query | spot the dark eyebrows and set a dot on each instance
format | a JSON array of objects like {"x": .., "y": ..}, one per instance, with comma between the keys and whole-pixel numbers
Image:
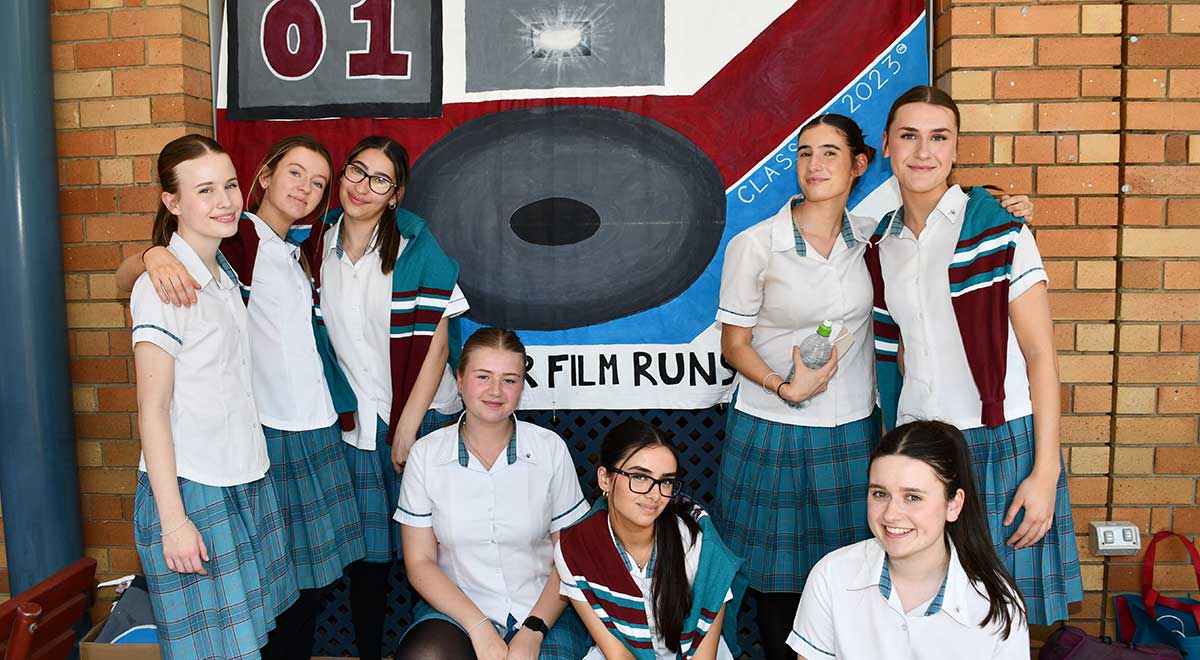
[
  {"x": 363, "y": 166},
  {"x": 903, "y": 490},
  {"x": 916, "y": 130},
  {"x": 641, "y": 470},
  {"x": 823, "y": 146}
]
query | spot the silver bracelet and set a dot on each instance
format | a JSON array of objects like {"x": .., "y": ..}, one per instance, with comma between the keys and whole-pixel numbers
[
  {"x": 176, "y": 528},
  {"x": 476, "y": 625},
  {"x": 766, "y": 378}
]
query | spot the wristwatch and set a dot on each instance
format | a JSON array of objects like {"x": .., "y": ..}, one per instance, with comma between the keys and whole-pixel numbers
[{"x": 535, "y": 624}]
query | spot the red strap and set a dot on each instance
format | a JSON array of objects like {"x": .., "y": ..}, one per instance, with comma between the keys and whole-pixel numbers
[
  {"x": 1125, "y": 623},
  {"x": 1150, "y": 595}
]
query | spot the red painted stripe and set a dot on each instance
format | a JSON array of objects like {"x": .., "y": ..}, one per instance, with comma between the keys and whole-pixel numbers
[{"x": 786, "y": 74}]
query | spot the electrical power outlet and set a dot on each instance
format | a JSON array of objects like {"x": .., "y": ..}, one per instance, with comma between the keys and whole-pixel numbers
[{"x": 1114, "y": 538}]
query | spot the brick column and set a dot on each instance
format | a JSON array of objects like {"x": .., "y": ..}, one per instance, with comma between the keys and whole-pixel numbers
[
  {"x": 1037, "y": 86},
  {"x": 128, "y": 79}
]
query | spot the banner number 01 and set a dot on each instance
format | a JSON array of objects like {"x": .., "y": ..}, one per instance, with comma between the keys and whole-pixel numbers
[{"x": 294, "y": 36}]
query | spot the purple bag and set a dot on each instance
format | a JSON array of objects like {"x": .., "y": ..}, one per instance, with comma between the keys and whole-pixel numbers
[{"x": 1069, "y": 642}]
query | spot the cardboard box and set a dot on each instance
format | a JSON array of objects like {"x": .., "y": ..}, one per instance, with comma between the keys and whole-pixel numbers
[{"x": 90, "y": 650}]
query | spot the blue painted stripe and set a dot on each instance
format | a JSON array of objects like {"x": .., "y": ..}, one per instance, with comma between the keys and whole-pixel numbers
[{"x": 150, "y": 326}]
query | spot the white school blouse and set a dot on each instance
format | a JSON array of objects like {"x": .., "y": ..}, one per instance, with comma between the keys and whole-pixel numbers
[
  {"x": 289, "y": 377},
  {"x": 783, "y": 288},
  {"x": 937, "y": 378},
  {"x": 644, "y": 578},
  {"x": 214, "y": 424},
  {"x": 356, "y": 302},
  {"x": 493, "y": 526},
  {"x": 850, "y": 610}
]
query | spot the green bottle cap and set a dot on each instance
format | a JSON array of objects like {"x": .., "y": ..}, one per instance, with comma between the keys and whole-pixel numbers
[{"x": 825, "y": 329}]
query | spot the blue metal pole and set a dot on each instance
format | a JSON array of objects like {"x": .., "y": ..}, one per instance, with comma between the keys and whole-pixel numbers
[{"x": 39, "y": 484}]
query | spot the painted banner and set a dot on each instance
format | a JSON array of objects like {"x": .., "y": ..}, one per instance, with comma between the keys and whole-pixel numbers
[{"x": 585, "y": 162}]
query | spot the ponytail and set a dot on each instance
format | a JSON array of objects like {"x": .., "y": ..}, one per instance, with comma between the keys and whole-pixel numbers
[{"x": 176, "y": 152}]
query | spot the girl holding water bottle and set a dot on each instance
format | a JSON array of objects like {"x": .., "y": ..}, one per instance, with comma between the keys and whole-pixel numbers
[{"x": 793, "y": 479}]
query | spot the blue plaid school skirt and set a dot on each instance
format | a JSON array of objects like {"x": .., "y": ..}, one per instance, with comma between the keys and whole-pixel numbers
[
  {"x": 250, "y": 581},
  {"x": 377, "y": 488},
  {"x": 788, "y": 495},
  {"x": 568, "y": 638},
  {"x": 1047, "y": 573},
  {"x": 313, "y": 487}
]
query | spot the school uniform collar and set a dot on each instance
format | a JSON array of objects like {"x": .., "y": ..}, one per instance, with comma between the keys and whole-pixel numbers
[
  {"x": 457, "y": 451},
  {"x": 334, "y": 243},
  {"x": 267, "y": 234},
  {"x": 951, "y": 206},
  {"x": 954, "y": 598},
  {"x": 630, "y": 565},
  {"x": 785, "y": 235},
  {"x": 196, "y": 268}
]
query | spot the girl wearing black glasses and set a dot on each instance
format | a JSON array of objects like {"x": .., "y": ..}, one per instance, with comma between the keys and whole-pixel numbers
[
  {"x": 646, "y": 570},
  {"x": 387, "y": 298}
]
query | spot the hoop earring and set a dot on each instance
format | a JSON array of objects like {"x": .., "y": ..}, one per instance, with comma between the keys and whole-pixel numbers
[{"x": 392, "y": 206}]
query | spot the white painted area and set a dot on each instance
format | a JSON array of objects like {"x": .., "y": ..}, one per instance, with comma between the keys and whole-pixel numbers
[
  {"x": 628, "y": 394},
  {"x": 701, "y": 37}
]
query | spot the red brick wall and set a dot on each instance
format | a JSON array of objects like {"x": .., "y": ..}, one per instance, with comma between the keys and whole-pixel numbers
[
  {"x": 1071, "y": 101},
  {"x": 129, "y": 75}
]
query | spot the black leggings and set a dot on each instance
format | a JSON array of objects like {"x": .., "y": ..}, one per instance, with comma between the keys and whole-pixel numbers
[
  {"x": 776, "y": 613},
  {"x": 368, "y": 606},
  {"x": 435, "y": 639},
  {"x": 295, "y": 628}
]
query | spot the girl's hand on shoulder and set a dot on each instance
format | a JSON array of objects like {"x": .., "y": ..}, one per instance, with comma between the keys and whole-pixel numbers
[
  {"x": 1036, "y": 495},
  {"x": 525, "y": 645},
  {"x": 807, "y": 383},
  {"x": 173, "y": 282},
  {"x": 488, "y": 643},
  {"x": 184, "y": 550},
  {"x": 1018, "y": 205}
]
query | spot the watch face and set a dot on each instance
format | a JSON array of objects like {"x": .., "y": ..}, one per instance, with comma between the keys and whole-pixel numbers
[{"x": 535, "y": 623}]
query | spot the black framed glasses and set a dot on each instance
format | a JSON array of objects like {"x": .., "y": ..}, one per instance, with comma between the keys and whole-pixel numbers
[
  {"x": 379, "y": 184},
  {"x": 642, "y": 483}
]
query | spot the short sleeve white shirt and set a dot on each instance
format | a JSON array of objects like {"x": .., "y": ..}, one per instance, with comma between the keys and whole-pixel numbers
[
  {"x": 644, "y": 578},
  {"x": 493, "y": 526},
  {"x": 776, "y": 283},
  {"x": 850, "y": 610},
  {"x": 289, "y": 377},
  {"x": 356, "y": 303},
  {"x": 214, "y": 424},
  {"x": 937, "y": 378}
]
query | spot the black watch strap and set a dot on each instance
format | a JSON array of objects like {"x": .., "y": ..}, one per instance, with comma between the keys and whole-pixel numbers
[{"x": 535, "y": 624}]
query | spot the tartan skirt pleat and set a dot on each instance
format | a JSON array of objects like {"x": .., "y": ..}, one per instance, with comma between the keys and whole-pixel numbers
[
  {"x": 377, "y": 488},
  {"x": 1047, "y": 573},
  {"x": 313, "y": 487},
  {"x": 788, "y": 495},
  {"x": 250, "y": 581}
]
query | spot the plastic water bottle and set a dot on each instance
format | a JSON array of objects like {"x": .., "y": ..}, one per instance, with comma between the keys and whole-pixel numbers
[{"x": 815, "y": 351}]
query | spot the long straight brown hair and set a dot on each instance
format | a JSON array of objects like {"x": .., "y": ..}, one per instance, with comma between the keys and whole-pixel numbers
[
  {"x": 389, "y": 235},
  {"x": 944, "y": 449},
  {"x": 177, "y": 151}
]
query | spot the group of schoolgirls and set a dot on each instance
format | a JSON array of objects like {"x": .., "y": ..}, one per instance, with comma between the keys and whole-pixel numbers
[
  {"x": 947, "y": 297},
  {"x": 276, "y": 361}
]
